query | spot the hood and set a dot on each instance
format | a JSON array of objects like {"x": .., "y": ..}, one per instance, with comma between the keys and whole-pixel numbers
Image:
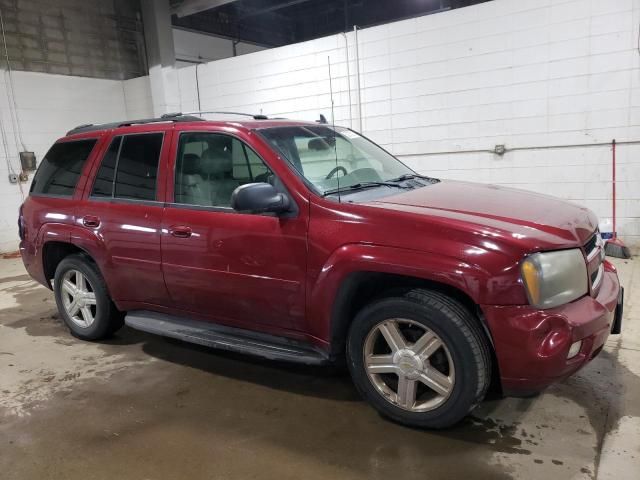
[{"x": 547, "y": 220}]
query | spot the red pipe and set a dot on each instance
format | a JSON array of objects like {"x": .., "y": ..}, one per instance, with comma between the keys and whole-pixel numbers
[{"x": 613, "y": 147}]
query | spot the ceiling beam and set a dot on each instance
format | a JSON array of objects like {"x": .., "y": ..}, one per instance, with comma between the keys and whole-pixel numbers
[
  {"x": 190, "y": 7},
  {"x": 272, "y": 8}
]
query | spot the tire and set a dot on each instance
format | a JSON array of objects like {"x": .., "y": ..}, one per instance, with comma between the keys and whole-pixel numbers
[
  {"x": 106, "y": 319},
  {"x": 458, "y": 372}
]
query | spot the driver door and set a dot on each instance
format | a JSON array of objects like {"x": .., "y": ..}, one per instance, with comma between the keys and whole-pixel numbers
[{"x": 238, "y": 269}]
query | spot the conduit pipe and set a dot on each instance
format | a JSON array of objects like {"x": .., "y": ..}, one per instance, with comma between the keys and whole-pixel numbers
[
  {"x": 13, "y": 105},
  {"x": 346, "y": 49},
  {"x": 516, "y": 149},
  {"x": 355, "y": 31}
]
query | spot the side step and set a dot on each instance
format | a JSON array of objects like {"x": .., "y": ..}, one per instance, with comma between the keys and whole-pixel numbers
[{"x": 226, "y": 338}]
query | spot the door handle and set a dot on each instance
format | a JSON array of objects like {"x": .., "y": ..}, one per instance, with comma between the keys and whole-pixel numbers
[
  {"x": 90, "y": 221},
  {"x": 180, "y": 231}
]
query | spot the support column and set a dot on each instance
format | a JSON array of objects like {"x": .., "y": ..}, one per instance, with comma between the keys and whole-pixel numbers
[{"x": 161, "y": 57}]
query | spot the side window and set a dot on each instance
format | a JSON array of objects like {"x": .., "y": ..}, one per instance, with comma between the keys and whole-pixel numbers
[
  {"x": 61, "y": 167},
  {"x": 103, "y": 184},
  {"x": 129, "y": 169},
  {"x": 138, "y": 166},
  {"x": 210, "y": 166}
]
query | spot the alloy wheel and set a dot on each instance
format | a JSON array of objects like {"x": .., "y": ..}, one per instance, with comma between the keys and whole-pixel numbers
[
  {"x": 78, "y": 298},
  {"x": 409, "y": 365}
]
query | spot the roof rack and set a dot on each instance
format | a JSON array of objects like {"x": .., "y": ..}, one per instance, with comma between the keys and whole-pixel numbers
[
  {"x": 167, "y": 117},
  {"x": 254, "y": 116}
]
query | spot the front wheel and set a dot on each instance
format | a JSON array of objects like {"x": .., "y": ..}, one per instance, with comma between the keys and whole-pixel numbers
[{"x": 421, "y": 359}]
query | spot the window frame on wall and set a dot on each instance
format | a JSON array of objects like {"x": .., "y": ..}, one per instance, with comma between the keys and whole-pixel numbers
[
  {"x": 84, "y": 163},
  {"x": 246, "y": 148},
  {"x": 158, "y": 176}
]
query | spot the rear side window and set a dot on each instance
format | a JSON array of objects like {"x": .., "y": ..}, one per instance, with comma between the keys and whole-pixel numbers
[
  {"x": 129, "y": 169},
  {"x": 61, "y": 167},
  {"x": 103, "y": 185}
]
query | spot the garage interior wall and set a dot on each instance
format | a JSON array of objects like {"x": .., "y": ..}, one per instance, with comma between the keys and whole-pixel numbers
[
  {"x": 48, "y": 106},
  {"x": 90, "y": 38},
  {"x": 519, "y": 73},
  {"x": 555, "y": 80},
  {"x": 192, "y": 47}
]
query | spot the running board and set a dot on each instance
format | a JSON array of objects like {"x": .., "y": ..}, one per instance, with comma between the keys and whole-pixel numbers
[{"x": 226, "y": 338}]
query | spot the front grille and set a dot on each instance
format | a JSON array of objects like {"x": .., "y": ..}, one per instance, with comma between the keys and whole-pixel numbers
[
  {"x": 594, "y": 251},
  {"x": 591, "y": 244},
  {"x": 597, "y": 278}
]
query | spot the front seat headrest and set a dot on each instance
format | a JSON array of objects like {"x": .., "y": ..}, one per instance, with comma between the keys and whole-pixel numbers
[
  {"x": 217, "y": 162},
  {"x": 191, "y": 164}
]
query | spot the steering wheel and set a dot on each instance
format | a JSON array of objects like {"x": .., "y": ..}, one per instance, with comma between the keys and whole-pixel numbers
[{"x": 336, "y": 170}]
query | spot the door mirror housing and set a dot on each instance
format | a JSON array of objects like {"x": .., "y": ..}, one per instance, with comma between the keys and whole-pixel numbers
[{"x": 259, "y": 198}]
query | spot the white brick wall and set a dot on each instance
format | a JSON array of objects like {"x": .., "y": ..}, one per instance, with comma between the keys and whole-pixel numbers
[
  {"x": 49, "y": 106},
  {"x": 137, "y": 98},
  {"x": 524, "y": 73}
]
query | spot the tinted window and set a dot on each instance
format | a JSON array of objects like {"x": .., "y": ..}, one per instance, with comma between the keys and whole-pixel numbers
[
  {"x": 137, "y": 167},
  {"x": 103, "y": 184},
  {"x": 61, "y": 167},
  {"x": 132, "y": 161},
  {"x": 211, "y": 166}
]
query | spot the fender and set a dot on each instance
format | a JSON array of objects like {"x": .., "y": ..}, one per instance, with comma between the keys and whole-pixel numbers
[
  {"x": 93, "y": 243},
  {"x": 32, "y": 250},
  {"x": 90, "y": 242},
  {"x": 476, "y": 282}
]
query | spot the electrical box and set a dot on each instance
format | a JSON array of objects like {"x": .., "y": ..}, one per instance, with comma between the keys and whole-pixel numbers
[
  {"x": 28, "y": 161},
  {"x": 23, "y": 177},
  {"x": 13, "y": 178},
  {"x": 500, "y": 149}
]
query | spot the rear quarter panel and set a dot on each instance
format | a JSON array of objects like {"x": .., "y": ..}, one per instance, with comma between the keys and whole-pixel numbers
[{"x": 49, "y": 218}]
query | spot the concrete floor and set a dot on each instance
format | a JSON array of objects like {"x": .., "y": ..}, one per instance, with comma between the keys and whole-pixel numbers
[{"x": 144, "y": 407}]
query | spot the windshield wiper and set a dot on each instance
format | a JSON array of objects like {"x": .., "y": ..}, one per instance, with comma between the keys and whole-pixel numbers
[
  {"x": 361, "y": 185},
  {"x": 409, "y": 176}
]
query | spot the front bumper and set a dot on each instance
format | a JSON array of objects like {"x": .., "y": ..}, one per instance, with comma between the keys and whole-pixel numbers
[{"x": 532, "y": 345}]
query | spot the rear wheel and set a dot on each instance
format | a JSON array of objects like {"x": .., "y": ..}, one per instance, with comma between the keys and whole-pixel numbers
[
  {"x": 420, "y": 359},
  {"x": 83, "y": 300}
]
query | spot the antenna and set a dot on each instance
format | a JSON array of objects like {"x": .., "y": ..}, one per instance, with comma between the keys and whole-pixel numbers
[{"x": 333, "y": 127}]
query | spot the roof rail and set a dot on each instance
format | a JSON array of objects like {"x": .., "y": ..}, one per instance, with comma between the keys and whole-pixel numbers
[
  {"x": 167, "y": 117},
  {"x": 254, "y": 116}
]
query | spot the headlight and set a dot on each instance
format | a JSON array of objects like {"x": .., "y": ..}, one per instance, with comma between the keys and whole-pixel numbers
[{"x": 554, "y": 278}]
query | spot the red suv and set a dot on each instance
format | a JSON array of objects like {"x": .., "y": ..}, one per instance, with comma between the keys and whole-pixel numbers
[{"x": 308, "y": 243}]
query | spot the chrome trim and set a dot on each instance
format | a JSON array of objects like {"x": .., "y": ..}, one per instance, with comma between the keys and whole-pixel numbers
[
  {"x": 137, "y": 201},
  {"x": 598, "y": 280},
  {"x": 594, "y": 253},
  {"x": 597, "y": 249}
]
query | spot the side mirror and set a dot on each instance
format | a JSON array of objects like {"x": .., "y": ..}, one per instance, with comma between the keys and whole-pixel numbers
[{"x": 259, "y": 198}]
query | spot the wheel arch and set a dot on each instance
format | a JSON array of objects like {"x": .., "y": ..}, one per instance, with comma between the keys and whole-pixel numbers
[
  {"x": 53, "y": 252},
  {"x": 362, "y": 287}
]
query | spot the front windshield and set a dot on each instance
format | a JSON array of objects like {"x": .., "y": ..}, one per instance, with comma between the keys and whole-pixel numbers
[{"x": 334, "y": 159}]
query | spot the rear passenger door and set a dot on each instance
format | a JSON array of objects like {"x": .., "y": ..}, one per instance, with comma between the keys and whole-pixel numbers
[
  {"x": 239, "y": 269},
  {"x": 123, "y": 211}
]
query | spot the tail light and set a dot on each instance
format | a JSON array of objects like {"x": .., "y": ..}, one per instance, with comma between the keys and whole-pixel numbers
[{"x": 21, "y": 229}]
